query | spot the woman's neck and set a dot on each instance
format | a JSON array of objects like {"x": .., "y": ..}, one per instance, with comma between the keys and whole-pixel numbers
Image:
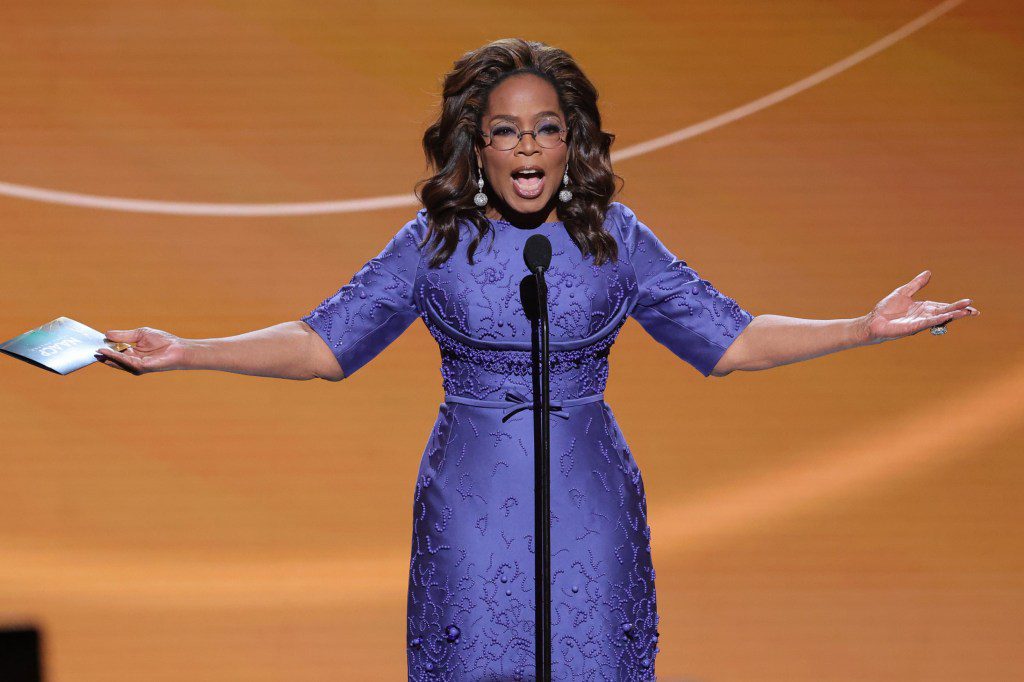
[{"x": 523, "y": 220}]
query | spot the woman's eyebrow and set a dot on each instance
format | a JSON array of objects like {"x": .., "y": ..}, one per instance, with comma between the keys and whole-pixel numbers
[{"x": 516, "y": 118}]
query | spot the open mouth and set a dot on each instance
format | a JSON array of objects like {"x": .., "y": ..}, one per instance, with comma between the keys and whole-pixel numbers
[{"x": 528, "y": 182}]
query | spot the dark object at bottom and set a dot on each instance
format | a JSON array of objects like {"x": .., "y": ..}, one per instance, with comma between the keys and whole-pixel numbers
[{"x": 19, "y": 654}]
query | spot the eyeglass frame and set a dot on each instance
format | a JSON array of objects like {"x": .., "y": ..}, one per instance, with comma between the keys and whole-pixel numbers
[{"x": 563, "y": 133}]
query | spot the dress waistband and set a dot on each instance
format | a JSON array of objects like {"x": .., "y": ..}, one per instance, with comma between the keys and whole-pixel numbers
[{"x": 515, "y": 401}]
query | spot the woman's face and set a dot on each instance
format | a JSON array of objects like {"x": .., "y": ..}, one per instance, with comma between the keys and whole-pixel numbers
[{"x": 529, "y": 102}]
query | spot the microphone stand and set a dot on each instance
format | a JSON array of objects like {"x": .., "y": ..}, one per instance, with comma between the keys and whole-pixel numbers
[
  {"x": 542, "y": 480},
  {"x": 537, "y": 254}
]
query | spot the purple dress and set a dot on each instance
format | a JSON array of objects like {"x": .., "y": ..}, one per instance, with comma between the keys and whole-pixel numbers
[{"x": 470, "y": 602}]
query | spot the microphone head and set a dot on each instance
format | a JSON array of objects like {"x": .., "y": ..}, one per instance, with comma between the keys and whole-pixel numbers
[
  {"x": 537, "y": 252},
  {"x": 528, "y": 297}
]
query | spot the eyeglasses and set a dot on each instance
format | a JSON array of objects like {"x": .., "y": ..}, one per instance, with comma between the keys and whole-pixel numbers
[{"x": 505, "y": 136}]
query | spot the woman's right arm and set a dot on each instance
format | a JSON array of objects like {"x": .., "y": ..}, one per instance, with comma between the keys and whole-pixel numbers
[{"x": 290, "y": 350}]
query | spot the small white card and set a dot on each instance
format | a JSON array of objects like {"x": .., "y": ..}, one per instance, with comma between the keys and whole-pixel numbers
[{"x": 62, "y": 345}]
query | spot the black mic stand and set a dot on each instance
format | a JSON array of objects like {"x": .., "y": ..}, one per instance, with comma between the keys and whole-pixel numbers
[
  {"x": 538, "y": 257},
  {"x": 542, "y": 482}
]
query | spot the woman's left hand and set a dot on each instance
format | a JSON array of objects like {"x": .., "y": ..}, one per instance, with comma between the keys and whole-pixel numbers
[{"x": 898, "y": 314}]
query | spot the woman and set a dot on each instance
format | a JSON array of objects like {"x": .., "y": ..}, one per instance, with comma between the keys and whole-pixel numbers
[{"x": 518, "y": 150}]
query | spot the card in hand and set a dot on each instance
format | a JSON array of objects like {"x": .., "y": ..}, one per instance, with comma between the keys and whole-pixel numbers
[{"x": 62, "y": 346}]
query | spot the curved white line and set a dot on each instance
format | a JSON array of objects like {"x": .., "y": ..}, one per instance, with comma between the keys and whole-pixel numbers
[
  {"x": 790, "y": 90},
  {"x": 396, "y": 200},
  {"x": 51, "y": 196}
]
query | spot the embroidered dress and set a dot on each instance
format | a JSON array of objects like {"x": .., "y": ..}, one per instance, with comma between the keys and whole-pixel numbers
[{"x": 470, "y": 603}]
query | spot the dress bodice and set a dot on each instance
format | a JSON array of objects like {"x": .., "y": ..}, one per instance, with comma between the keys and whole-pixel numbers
[{"x": 475, "y": 314}]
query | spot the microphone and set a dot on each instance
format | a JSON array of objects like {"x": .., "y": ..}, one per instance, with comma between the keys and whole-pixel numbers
[{"x": 537, "y": 253}]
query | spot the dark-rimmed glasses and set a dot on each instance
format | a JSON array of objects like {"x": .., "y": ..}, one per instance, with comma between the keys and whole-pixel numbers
[{"x": 504, "y": 136}]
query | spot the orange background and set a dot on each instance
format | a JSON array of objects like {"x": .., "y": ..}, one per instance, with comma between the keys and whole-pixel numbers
[{"x": 853, "y": 517}]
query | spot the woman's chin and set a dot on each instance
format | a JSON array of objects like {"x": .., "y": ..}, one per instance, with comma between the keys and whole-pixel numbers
[{"x": 528, "y": 207}]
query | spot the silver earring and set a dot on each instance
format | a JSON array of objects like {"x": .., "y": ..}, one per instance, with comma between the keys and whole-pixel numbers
[
  {"x": 565, "y": 195},
  {"x": 480, "y": 199}
]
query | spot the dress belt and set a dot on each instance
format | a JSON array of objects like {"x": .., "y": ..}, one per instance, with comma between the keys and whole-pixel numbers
[{"x": 515, "y": 401}]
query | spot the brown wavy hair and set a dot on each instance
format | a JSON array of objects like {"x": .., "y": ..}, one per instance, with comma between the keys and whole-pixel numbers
[{"x": 450, "y": 143}]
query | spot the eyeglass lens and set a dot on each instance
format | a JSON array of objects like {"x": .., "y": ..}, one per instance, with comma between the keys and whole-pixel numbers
[{"x": 505, "y": 136}]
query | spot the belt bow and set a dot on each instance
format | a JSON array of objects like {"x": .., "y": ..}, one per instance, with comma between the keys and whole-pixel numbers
[{"x": 519, "y": 403}]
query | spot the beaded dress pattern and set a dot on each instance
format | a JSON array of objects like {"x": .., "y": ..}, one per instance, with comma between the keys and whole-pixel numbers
[{"x": 470, "y": 601}]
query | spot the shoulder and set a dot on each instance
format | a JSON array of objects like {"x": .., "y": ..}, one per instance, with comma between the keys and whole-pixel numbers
[
  {"x": 403, "y": 252},
  {"x": 622, "y": 221},
  {"x": 643, "y": 249},
  {"x": 415, "y": 228},
  {"x": 619, "y": 216},
  {"x": 408, "y": 239}
]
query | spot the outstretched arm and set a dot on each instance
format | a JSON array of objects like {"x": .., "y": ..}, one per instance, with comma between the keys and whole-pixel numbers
[
  {"x": 773, "y": 340},
  {"x": 290, "y": 350}
]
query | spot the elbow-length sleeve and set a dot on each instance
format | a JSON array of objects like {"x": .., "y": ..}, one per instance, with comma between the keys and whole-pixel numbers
[
  {"x": 377, "y": 304},
  {"x": 674, "y": 304}
]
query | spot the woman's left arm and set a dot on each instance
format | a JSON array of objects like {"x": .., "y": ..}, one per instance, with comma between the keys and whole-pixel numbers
[{"x": 773, "y": 340}]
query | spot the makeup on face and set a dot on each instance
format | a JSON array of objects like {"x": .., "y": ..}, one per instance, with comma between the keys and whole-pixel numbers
[{"x": 527, "y": 175}]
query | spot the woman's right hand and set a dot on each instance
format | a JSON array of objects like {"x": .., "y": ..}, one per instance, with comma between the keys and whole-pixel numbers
[{"x": 153, "y": 350}]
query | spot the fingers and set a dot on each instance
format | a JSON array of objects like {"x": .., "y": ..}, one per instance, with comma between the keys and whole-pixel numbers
[
  {"x": 939, "y": 320},
  {"x": 915, "y": 285},
  {"x": 124, "y": 335},
  {"x": 129, "y": 363},
  {"x": 109, "y": 357},
  {"x": 111, "y": 363},
  {"x": 949, "y": 307},
  {"x": 962, "y": 304}
]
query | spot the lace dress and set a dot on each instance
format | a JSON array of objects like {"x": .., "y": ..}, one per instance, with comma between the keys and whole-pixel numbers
[{"x": 470, "y": 601}]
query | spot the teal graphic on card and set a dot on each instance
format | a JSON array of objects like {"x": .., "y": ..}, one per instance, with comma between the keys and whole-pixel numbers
[{"x": 61, "y": 346}]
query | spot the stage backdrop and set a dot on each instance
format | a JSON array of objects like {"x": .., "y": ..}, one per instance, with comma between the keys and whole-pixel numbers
[{"x": 854, "y": 517}]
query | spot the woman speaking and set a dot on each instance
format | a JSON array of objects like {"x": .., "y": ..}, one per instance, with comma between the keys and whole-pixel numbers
[{"x": 518, "y": 150}]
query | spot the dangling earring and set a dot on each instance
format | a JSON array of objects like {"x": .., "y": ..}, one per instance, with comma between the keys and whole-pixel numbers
[
  {"x": 480, "y": 199},
  {"x": 565, "y": 195}
]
